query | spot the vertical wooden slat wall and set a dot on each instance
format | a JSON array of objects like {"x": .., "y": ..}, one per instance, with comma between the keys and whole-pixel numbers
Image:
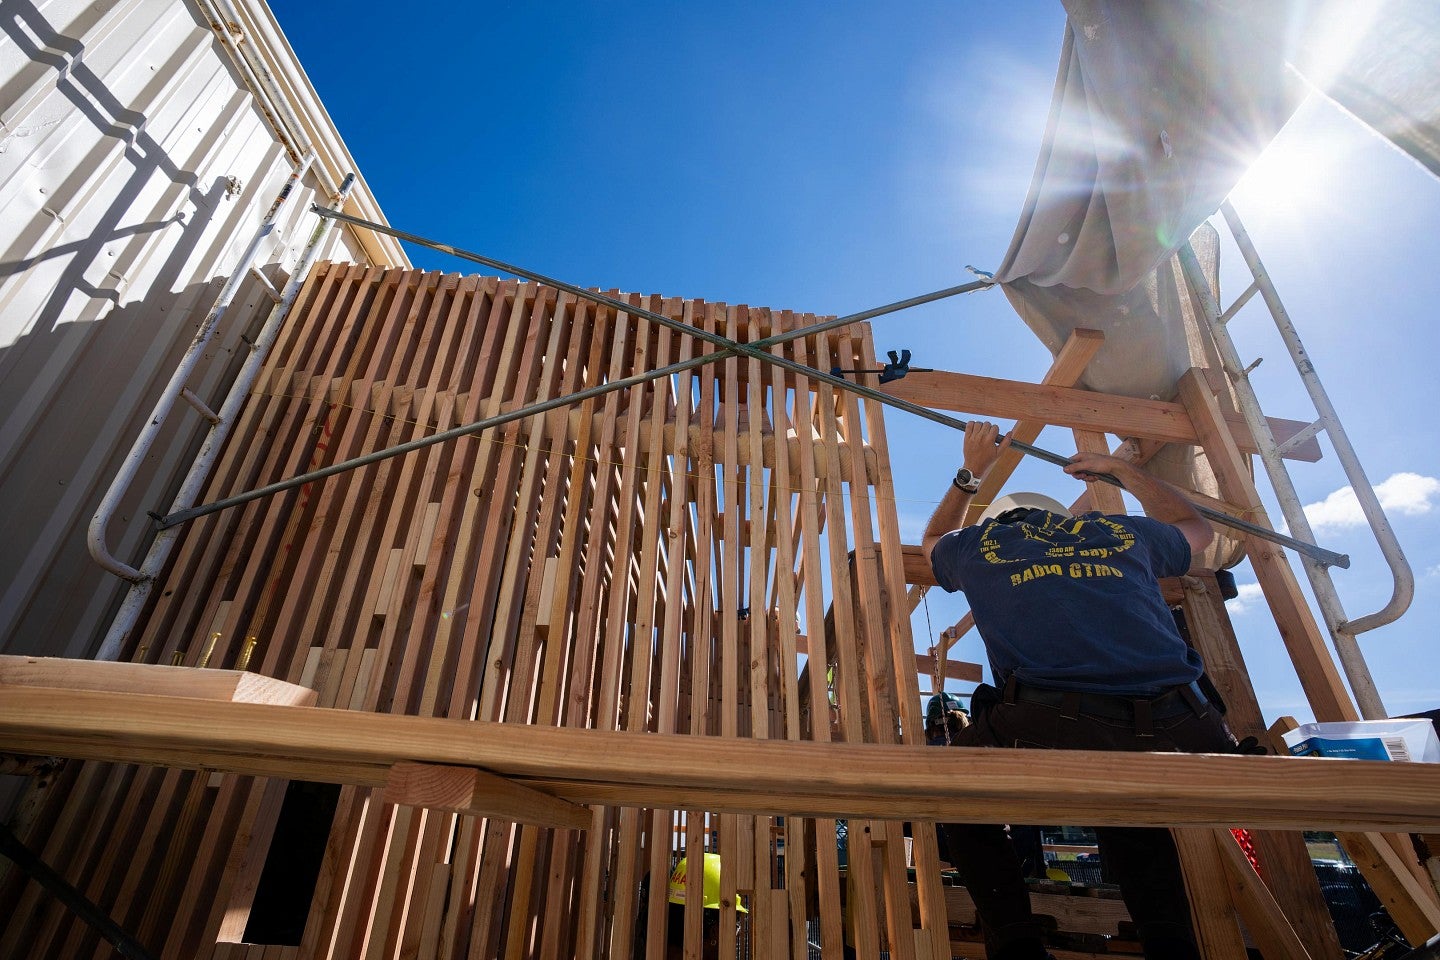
[{"x": 649, "y": 561}]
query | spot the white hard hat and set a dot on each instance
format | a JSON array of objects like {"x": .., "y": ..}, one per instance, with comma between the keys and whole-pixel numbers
[{"x": 1035, "y": 501}]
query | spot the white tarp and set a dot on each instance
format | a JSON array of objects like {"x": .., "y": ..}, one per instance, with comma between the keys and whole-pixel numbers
[
  {"x": 1159, "y": 108},
  {"x": 1381, "y": 62}
]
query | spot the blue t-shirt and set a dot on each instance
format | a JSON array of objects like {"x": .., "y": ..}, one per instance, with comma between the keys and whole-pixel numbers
[{"x": 1073, "y": 603}]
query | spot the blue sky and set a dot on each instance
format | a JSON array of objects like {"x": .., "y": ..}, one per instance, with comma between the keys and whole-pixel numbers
[{"x": 829, "y": 157}]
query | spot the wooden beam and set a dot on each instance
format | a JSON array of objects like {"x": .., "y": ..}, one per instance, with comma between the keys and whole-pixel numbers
[
  {"x": 166, "y": 681},
  {"x": 954, "y": 669},
  {"x": 1067, "y": 369},
  {"x": 924, "y": 664},
  {"x": 1211, "y": 911},
  {"x": 1308, "y": 651},
  {"x": 917, "y": 566},
  {"x": 1102, "y": 496},
  {"x": 1284, "y": 857},
  {"x": 1083, "y": 409},
  {"x": 478, "y": 792},
  {"x": 1263, "y": 917},
  {"x": 770, "y": 777}
]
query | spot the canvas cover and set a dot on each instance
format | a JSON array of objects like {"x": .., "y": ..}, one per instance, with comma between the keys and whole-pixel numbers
[
  {"x": 1158, "y": 110},
  {"x": 1381, "y": 62}
]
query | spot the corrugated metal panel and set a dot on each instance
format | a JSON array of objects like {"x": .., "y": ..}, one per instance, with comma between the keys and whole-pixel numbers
[{"x": 135, "y": 167}]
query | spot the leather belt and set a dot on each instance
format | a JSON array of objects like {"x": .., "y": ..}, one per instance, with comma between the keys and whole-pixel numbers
[{"x": 1114, "y": 706}]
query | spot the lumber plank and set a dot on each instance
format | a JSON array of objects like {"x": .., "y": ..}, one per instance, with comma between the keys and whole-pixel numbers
[
  {"x": 122, "y": 677},
  {"x": 1264, "y": 919},
  {"x": 564, "y": 529},
  {"x": 810, "y": 519},
  {"x": 731, "y": 502},
  {"x": 841, "y": 618},
  {"x": 1313, "y": 664},
  {"x": 475, "y": 791},
  {"x": 1284, "y": 858},
  {"x": 1102, "y": 496},
  {"x": 992, "y": 397},
  {"x": 895, "y": 782},
  {"x": 886, "y": 652},
  {"x": 1212, "y": 913},
  {"x": 954, "y": 669}
]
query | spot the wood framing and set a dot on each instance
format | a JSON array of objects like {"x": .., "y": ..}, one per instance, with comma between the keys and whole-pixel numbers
[
  {"x": 1161, "y": 420},
  {"x": 641, "y": 563},
  {"x": 544, "y": 664},
  {"x": 733, "y": 774}
]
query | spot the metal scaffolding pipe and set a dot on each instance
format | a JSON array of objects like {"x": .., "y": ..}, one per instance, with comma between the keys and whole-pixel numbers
[
  {"x": 175, "y": 388},
  {"x": 190, "y": 487}
]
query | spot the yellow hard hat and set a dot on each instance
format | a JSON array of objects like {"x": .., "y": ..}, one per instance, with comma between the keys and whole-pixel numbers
[{"x": 710, "y": 888}]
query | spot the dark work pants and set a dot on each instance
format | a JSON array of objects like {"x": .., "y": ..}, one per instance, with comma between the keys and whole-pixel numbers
[{"x": 1142, "y": 861}]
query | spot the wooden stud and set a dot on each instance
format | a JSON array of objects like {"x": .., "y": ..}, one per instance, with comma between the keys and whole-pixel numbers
[{"x": 474, "y": 791}]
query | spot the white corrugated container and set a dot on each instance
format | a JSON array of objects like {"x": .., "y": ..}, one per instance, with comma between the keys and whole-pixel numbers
[{"x": 136, "y": 163}]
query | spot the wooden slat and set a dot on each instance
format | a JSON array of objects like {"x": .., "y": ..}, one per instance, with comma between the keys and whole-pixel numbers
[
  {"x": 1264, "y": 919},
  {"x": 731, "y": 500},
  {"x": 885, "y": 655},
  {"x": 1206, "y": 882},
  {"x": 1102, "y": 496},
  {"x": 954, "y": 669},
  {"x": 827, "y": 880}
]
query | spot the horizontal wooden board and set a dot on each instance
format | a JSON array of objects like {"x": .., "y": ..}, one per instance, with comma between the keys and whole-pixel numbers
[
  {"x": 1084, "y": 409},
  {"x": 779, "y": 777},
  {"x": 156, "y": 679}
]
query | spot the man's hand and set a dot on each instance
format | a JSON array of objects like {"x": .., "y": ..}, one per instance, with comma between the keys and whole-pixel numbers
[
  {"x": 1090, "y": 466},
  {"x": 1160, "y": 499},
  {"x": 981, "y": 450}
]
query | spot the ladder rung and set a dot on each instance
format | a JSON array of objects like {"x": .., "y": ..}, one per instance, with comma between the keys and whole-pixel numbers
[
  {"x": 200, "y": 406},
  {"x": 1240, "y": 301},
  {"x": 265, "y": 284},
  {"x": 1303, "y": 436}
]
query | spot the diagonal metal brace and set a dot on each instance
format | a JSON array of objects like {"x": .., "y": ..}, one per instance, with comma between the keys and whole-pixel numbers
[{"x": 755, "y": 349}]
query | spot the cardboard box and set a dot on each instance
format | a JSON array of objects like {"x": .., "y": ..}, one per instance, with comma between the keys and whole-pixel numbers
[{"x": 1404, "y": 740}]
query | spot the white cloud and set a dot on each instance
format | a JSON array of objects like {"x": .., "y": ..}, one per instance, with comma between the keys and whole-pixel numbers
[
  {"x": 1403, "y": 494},
  {"x": 1249, "y": 596}
]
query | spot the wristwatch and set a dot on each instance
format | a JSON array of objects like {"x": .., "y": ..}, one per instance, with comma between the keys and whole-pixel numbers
[{"x": 966, "y": 482}]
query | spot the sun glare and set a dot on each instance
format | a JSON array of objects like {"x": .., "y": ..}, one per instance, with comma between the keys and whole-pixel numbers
[{"x": 1297, "y": 171}]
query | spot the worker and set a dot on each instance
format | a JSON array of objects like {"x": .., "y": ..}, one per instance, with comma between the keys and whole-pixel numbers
[
  {"x": 945, "y": 717},
  {"x": 675, "y": 921},
  {"x": 1085, "y": 655}
]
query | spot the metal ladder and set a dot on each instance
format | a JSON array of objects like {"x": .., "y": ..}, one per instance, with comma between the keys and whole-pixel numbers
[
  {"x": 1343, "y": 630},
  {"x": 142, "y": 579}
]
